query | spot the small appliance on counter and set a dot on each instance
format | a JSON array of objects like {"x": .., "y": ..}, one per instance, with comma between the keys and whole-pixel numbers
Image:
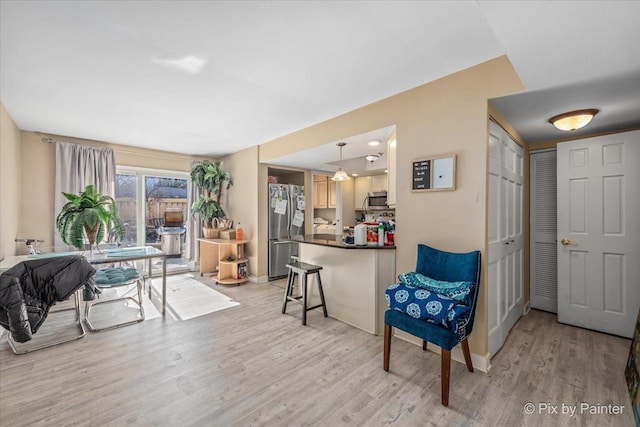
[
  {"x": 371, "y": 233},
  {"x": 360, "y": 234}
]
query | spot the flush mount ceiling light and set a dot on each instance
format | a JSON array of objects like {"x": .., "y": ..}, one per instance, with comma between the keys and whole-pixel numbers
[
  {"x": 374, "y": 143},
  {"x": 354, "y": 174},
  {"x": 341, "y": 175},
  {"x": 372, "y": 158},
  {"x": 573, "y": 119}
]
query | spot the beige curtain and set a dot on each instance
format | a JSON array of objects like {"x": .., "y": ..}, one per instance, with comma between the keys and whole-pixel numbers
[{"x": 78, "y": 166}]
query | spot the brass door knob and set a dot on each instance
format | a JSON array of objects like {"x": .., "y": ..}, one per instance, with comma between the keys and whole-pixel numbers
[{"x": 565, "y": 241}]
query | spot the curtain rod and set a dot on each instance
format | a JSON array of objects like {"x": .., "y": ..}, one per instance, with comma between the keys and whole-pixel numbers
[{"x": 177, "y": 157}]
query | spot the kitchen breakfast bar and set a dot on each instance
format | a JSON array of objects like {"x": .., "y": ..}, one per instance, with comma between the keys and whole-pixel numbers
[{"x": 354, "y": 278}]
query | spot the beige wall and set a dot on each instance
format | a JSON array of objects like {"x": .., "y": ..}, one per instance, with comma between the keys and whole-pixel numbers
[
  {"x": 10, "y": 184},
  {"x": 38, "y": 176},
  {"x": 241, "y": 201},
  {"x": 449, "y": 115}
]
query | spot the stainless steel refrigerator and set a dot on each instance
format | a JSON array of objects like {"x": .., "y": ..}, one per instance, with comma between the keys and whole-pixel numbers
[{"x": 286, "y": 220}]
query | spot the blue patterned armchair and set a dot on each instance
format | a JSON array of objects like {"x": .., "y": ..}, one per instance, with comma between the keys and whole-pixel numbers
[{"x": 451, "y": 330}]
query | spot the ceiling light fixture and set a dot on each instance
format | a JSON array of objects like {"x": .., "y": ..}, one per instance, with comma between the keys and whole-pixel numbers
[
  {"x": 372, "y": 157},
  {"x": 374, "y": 143},
  {"x": 354, "y": 174},
  {"x": 573, "y": 119},
  {"x": 340, "y": 174}
]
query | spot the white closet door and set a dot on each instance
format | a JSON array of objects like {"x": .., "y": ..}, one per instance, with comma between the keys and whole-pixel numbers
[
  {"x": 505, "y": 236},
  {"x": 599, "y": 232},
  {"x": 544, "y": 263}
]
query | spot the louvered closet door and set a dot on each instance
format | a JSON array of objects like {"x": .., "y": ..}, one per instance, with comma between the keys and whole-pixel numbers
[{"x": 544, "y": 263}]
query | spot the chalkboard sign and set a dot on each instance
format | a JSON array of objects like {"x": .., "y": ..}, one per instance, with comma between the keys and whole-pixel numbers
[
  {"x": 422, "y": 175},
  {"x": 436, "y": 173}
]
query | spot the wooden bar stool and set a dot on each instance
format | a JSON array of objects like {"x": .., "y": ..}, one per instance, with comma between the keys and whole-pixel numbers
[{"x": 302, "y": 269}]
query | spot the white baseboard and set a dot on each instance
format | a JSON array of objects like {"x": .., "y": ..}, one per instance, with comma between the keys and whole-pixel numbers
[
  {"x": 479, "y": 362},
  {"x": 527, "y": 308}
]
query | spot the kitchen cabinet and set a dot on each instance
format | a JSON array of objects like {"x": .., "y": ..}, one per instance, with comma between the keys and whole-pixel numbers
[
  {"x": 378, "y": 183},
  {"x": 362, "y": 189},
  {"x": 391, "y": 175},
  {"x": 320, "y": 194},
  {"x": 332, "y": 194},
  {"x": 368, "y": 184},
  {"x": 227, "y": 257}
]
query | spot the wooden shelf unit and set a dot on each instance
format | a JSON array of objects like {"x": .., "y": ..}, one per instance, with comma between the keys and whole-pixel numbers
[{"x": 224, "y": 257}]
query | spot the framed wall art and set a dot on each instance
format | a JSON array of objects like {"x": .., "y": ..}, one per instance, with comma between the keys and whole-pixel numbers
[{"x": 436, "y": 173}]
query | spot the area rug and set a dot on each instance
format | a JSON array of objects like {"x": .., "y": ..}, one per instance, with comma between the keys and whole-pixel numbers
[{"x": 188, "y": 298}]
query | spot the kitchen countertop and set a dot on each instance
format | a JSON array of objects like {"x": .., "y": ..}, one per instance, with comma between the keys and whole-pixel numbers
[{"x": 333, "y": 241}]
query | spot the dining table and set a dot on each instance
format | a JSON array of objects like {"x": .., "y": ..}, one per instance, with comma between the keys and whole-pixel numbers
[{"x": 107, "y": 254}]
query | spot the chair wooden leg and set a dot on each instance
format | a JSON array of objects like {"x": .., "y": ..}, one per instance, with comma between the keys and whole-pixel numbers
[
  {"x": 467, "y": 354},
  {"x": 446, "y": 370},
  {"x": 387, "y": 346},
  {"x": 424, "y": 345}
]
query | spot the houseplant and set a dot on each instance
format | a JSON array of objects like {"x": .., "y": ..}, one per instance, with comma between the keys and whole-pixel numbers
[
  {"x": 210, "y": 177},
  {"x": 88, "y": 213}
]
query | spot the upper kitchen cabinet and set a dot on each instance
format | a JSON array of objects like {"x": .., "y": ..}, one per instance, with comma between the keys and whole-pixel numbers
[
  {"x": 378, "y": 183},
  {"x": 332, "y": 194},
  {"x": 368, "y": 184},
  {"x": 320, "y": 192},
  {"x": 362, "y": 189},
  {"x": 391, "y": 174}
]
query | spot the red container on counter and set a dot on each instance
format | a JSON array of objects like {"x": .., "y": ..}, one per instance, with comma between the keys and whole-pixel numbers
[{"x": 391, "y": 237}]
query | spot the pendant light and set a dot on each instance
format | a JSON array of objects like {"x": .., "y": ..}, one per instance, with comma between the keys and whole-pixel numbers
[
  {"x": 341, "y": 175},
  {"x": 573, "y": 120}
]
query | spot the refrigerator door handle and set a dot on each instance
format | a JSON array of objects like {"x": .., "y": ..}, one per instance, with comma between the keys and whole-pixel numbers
[{"x": 283, "y": 243}]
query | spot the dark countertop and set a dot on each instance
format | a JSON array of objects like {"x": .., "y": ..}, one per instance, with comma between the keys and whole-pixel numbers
[{"x": 333, "y": 241}]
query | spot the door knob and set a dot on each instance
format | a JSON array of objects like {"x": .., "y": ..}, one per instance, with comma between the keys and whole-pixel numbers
[{"x": 565, "y": 241}]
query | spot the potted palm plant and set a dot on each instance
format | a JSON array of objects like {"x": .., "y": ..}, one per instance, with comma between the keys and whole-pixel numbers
[
  {"x": 211, "y": 178},
  {"x": 89, "y": 214}
]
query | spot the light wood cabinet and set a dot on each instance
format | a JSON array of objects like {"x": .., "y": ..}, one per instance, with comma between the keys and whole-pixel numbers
[
  {"x": 333, "y": 200},
  {"x": 368, "y": 184},
  {"x": 362, "y": 189},
  {"x": 378, "y": 183},
  {"x": 320, "y": 192},
  {"x": 227, "y": 258}
]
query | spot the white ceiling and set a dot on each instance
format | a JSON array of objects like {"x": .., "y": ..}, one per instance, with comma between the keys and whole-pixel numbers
[
  {"x": 326, "y": 158},
  {"x": 127, "y": 72}
]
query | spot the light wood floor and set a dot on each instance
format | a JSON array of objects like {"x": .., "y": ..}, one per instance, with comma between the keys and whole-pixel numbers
[{"x": 250, "y": 365}]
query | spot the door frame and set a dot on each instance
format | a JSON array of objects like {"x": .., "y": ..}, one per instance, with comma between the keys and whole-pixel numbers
[{"x": 141, "y": 173}]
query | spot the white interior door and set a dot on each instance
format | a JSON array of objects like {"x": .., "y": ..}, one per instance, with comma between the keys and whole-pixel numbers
[
  {"x": 543, "y": 231},
  {"x": 599, "y": 232},
  {"x": 505, "y": 235}
]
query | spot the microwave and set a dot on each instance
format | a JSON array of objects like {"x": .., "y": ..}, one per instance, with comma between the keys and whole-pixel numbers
[{"x": 377, "y": 201}]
